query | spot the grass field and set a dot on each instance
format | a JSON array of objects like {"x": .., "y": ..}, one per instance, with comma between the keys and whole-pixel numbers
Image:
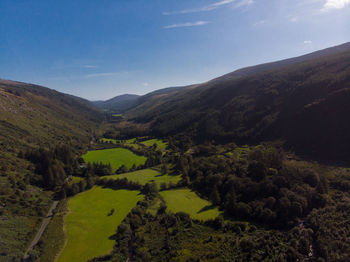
[
  {"x": 184, "y": 200},
  {"x": 75, "y": 179},
  {"x": 115, "y": 156},
  {"x": 160, "y": 144},
  {"x": 88, "y": 226},
  {"x": 147, "y": 175}
]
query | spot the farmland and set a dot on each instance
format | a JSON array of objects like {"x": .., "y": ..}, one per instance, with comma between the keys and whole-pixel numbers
[
  {"x": 184, "y": 200},
  {"x": 160, "y": 144},
  {"x": 115, "y": 156},
  {"x": 147, "y": 175},
  {"x": 89, "y": 224}
]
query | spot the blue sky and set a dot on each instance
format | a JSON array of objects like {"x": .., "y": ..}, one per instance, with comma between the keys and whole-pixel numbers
[{"x": 100, "y": 49}]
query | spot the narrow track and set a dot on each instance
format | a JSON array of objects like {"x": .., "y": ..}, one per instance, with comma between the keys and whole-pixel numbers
[{"x": 40, "y": 232}]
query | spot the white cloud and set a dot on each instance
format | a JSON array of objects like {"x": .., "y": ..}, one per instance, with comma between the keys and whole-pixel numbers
[
  {"x": 145, "y": 84},
  {"x": 244, "y": 3},
  {"x": 188, "y": 24},
  {"x": 203, "y": 8},
  {"x": 89, "y": 66},
  {"x": 293, "y": 19},
  {"x": 307, "y": 42},
  {"x": 261, "y": 22},
  {"x": 335, "y": 4},
  {"x": 102, "y": 74}
]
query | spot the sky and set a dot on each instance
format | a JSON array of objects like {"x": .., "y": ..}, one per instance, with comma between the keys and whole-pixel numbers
[{"x": 98, "y": 49}]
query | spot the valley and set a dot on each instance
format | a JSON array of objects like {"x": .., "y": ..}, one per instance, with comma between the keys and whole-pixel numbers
[{"x": 250, "y": 166}]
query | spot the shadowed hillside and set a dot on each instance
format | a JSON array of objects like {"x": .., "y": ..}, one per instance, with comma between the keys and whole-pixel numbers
[
  {"x": 118, "y": 103},
  {"x": 302, "y": 101}
]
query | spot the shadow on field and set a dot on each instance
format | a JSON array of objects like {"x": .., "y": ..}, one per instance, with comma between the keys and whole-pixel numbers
[
  {"x": 206, "y": 208},
  {"x": 113, "y": 237}
]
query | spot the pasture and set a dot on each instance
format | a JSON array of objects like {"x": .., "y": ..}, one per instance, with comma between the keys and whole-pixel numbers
[
  {"x": 115, "y": 156},
  {"x": 160, "y": 144},
  {"x": 145, "y": 176},
  {"x": 184, "y": 200},
  {"x": 88, "y": 225}
]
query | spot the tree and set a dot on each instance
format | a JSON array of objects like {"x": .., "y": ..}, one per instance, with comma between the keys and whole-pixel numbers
[
  {"x": 164, "y": 169},
  {"x": 257, "y": 171},
  {"x": 163, "y": 186},
  {"x": 215, "y": 197}
]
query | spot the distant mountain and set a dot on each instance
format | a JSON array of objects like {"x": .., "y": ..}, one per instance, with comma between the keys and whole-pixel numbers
[
  {"x": 302, "y": 101},
  {"x": 32, "y": 115},
  {"x": 118, "y": 103}
]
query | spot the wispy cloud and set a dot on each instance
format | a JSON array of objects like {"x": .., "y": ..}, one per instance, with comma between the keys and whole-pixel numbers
[
  {"x": 335, "y": 4},
  {"x": 293, "y": 19},
  {"x": 202, "y": 8},
  {"x": 145, "y": 84},
  {"x": 244, "y": 3},
  {"x": 188, "y": 24},
  {"x": 102, "y": 74},
  {"x": 259, "y": 23},
  {"x": 89, "y": 66},
  {"x": 307, "y": 42}
]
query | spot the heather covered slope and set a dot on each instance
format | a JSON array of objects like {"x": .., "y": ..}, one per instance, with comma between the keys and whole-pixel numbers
[
  {"x": 303, "y": 102},
  {"x": 32, "y": 115}
]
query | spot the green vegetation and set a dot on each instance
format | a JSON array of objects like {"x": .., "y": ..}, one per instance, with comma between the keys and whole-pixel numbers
[
  {"x": 53, "y": 238},
  {"x": 108, "y": 140},
  {"x": 160, "y": 144},
  {"x": 22, "y": 208},
  {"x": 75, "y": 179},
  {"x": 180, "y": 239},
  {"x": 14, "y": 237},
  {"x": 90, "y": 222},
  {"x": 114, "y": 156},
  {"x": 184, "y": 200},
  {"x": 147, "y": 175}
]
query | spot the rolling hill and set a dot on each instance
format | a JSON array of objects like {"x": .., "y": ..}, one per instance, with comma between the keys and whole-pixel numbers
[
  {"x": 32, "y": 115},
  {"x": 302, "y": 101},
  {"x": 118, "y": 104}
]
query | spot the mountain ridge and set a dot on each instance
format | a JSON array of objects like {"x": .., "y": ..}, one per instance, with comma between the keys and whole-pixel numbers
[{"x": 303, "y": 103}]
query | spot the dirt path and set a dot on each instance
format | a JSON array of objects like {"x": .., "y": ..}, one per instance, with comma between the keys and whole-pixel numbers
[{"x": 41, "y": 231}]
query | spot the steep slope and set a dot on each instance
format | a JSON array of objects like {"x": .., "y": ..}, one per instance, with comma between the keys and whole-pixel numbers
[
  {"x": 118, "y": 103},
  {"x": 302, "y": 101},
  {"x": 32, "y": 115}
]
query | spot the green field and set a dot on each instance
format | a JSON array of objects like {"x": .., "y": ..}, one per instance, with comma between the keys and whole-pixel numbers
[
  {"x": 75, "y": 179},
  {"x": 88, "y": 226},
  {"x": 160, "y": 144},
  {"x": 147, "y": 175},
  {"x": 184, "y": 200},
  {"x": 115, "y": 156}
]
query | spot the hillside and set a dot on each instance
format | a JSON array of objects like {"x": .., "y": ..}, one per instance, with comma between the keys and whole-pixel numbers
[
  {"x": 119, "y": 103},
  {"x": 31, "y": 115},
  {"x": 302, "y": 101}
]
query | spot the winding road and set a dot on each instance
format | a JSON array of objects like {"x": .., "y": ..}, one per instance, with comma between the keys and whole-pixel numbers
[{"x": 41, "y": 231}]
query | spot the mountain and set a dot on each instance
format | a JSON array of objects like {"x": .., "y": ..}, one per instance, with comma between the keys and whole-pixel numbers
[
  {"x": 32, "y": 115},
  {"x": 302, "y": 101},
  {"x": 118, "y": 103}
]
